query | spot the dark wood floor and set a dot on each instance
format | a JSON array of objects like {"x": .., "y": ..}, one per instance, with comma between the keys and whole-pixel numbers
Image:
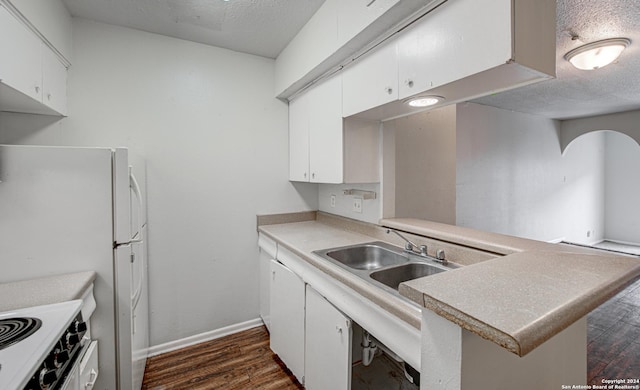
[
  {"x": 614, "y": 338},
  {"x": 240, "y": 361},
  {"x": 244, "y": 360}
]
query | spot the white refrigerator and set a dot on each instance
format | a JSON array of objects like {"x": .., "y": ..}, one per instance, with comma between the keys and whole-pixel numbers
[{"x": 72, "y": 209}]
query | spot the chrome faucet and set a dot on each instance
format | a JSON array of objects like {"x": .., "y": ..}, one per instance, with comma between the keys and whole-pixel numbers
[{"x": 420, "y": 250}]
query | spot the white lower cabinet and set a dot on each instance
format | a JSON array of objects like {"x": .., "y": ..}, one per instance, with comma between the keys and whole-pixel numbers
[
  {"x": 287, "y": 304},
  {"x": 327, "y": 345},
  {"x": 314, "y": 330}
]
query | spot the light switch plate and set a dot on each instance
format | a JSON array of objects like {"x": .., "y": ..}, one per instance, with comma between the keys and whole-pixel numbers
[{"x": 333, "y": 200}]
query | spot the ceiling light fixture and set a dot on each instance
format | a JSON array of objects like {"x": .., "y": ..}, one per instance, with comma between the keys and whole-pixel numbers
[
  {"x": 596, "y": 55},
  {"x": 424, "y": 101}
]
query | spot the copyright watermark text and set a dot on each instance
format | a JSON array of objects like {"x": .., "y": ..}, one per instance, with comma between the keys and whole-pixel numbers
[{"x": 608, "y": 384}]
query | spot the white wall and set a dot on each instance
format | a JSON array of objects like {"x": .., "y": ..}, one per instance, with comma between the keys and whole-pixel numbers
[
  {"x": 583, "y": 204},
  {"x": 512, "y": 178},
  {"x": 215, "y": 142},
  {"x": 622, "y": 188}
]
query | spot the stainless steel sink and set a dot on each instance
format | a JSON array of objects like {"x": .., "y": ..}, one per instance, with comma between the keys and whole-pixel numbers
[
  {"x": 367, "y": 256},
  {"x": 392, "y": 277},
  {"x": 381, "y": 264}
]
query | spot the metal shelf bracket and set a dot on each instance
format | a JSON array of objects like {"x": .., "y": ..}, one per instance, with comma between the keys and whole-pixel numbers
[{"x": 360, "y": 194}]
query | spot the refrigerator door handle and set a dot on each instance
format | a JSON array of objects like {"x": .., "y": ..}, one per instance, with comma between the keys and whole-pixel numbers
[
  {"x": 135, "y": 187},
  {"x": 136, "y": 190}
]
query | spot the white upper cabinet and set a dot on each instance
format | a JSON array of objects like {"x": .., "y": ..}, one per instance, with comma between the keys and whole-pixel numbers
[
  {"x": 335, "y": 34},
  {"x": 51, "y": 19},
  {"x": 461, "y": 50},
  {"x": 372, "y": 81},
  {"x": 33, "y": 76},
  {"x": 299, "y": 138},
  {"x": 458, "y": 39},
  {"x": 325, "y": 132},
  {"x": 21, "y": 61},
  {"x": 355, "y": 15},
  {"x": 324, "y": 148},
  {"x": 54, "y": 81},
  {"x": 315, "y": 134}
]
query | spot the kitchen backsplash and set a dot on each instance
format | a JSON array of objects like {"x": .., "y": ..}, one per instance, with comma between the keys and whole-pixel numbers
[{"x": 344, "y": 204}]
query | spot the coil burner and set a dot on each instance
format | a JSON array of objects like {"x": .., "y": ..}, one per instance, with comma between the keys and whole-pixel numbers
[{"x": 13, "y": 330}]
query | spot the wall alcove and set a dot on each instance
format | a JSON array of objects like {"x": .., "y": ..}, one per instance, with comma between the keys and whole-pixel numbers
[{"x": 619, "y": 176}]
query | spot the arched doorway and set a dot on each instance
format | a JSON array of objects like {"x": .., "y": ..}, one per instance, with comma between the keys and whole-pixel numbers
[{"x": 614, "y": 222}]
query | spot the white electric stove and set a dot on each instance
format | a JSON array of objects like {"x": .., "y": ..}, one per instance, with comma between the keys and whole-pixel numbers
[{"x": 40, "y": 345}]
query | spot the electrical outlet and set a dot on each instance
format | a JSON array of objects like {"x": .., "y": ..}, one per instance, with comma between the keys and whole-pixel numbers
[
  {"x": 357, "y": 205},
  {"x": 333, "y": 200}
]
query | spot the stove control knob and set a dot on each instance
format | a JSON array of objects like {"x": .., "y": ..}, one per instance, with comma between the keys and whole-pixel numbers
[
  {"x": 47, "y": 378},
  {"x": 78, "y": 327},
  {"x": 56, "y": 359},
  {"x": 72, "y": 339},
  {"x": 62, "y": 358},
  {"x": 50, "y": 361}
]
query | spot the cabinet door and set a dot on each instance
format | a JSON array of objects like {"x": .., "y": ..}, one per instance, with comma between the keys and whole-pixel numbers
[
  {"x": 325, "y": 131},
  {"x": 287, "y": 318},
  {"x": 458, "y": 39},
  {"x": 54, "y": 81},
  {"x": 20, "y": 63},
  {"x": 299, "y": 138},
  {"x": 371, "y": 82},
  {"x": 327, "y": 345}
]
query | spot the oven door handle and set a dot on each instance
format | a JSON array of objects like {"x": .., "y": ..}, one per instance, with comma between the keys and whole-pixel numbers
[{"x": 92, "y": 381}]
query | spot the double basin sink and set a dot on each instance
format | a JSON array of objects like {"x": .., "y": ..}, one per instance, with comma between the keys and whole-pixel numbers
[{"x": 382, "y": 264}]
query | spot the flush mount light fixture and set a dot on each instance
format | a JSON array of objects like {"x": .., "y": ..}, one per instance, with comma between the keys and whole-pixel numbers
[
  {"x": 424, "y": 101},
  {"x": 597, "y": 54}
]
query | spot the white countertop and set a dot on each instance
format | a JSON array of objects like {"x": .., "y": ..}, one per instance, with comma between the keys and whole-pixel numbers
[
  {"x": 523, "y": 295},
  {"x": 44, "y": 291}
]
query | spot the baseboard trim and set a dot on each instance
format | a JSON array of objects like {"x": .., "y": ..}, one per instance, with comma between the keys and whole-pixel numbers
[
  {"x": 622, "y": 242},
  {"x": 202, "y": 337}
]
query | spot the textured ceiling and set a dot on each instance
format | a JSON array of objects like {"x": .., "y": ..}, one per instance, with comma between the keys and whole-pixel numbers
[
  {"x": 578, "y": 93},
  {"x": 261, "y": 27}
]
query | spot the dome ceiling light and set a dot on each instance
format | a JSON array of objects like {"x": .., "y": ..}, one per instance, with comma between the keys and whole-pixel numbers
[{"x": 596, "y": 55}]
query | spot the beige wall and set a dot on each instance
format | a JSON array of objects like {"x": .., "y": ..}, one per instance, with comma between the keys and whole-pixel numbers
[{"x": 425, "y": 164}]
